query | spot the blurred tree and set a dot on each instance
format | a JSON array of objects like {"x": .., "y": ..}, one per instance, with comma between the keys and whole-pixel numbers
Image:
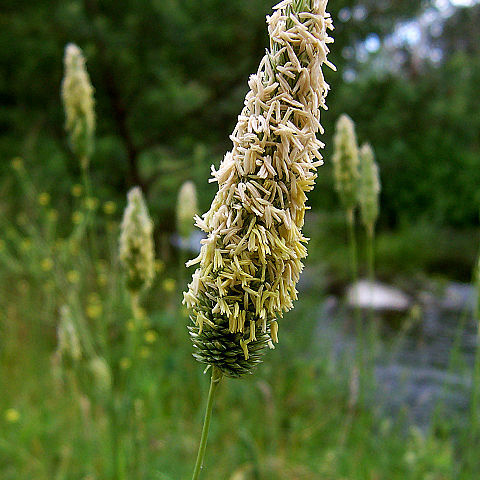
[{"x": 170, "y": 76}]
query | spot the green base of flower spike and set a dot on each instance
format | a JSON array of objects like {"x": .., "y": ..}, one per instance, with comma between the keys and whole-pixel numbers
[{"x": 219, "y": 347}]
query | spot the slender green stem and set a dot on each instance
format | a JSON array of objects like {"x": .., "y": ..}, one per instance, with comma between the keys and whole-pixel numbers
[
  {"x": 114, "y": 439},
  {"x": 371, "y": 277},
  {"x": 357, "y": 314},
  {"x": 353, "y": 244},
  {"x": 215, "y": 380}
]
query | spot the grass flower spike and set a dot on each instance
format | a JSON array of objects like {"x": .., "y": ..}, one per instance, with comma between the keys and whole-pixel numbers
[
  {"x": 251, "y": 259},
  {"x": 136, "y": 242},
  {"x": 345, "y": 163},
  {"x": 187, "y": 208},
  {"x": 369, "y": 187},
  {"x": 68, "y": 339},
  {"x": 77, "y": 95}
]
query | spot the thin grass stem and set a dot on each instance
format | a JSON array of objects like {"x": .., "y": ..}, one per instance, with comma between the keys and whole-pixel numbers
[{"x": 215, "y": 380}]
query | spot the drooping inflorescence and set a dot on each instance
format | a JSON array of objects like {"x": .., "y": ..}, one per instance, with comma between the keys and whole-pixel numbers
[
  {"x": 77, "y": 95},
  {"x": 251, "y": 260},
  {"x": 369, "y": 187},
  {"x": 187, "y": 208},
  {"x": 136, "y": 242},
  {"x": 345, "y": 162}
]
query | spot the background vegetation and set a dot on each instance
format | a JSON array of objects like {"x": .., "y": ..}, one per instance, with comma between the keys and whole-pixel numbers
[{"x": 169, "y": 78}]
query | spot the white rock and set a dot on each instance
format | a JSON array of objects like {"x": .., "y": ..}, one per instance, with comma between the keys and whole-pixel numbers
[{"x": 378, "y": 296}]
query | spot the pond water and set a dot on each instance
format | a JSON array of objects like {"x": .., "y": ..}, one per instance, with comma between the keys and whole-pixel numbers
[{"x": 423, "y": 358}]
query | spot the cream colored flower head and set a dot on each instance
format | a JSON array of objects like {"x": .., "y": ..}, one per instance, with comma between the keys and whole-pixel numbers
[
  {"x": 369, "y": 187},
  {"x": 187, "y": 208},
  {"x": 346, "y": 162},
  {"x": 101, "y": 373},
  {"x": 68, "y": 338},
  {"x": 251, "y": 260},
  {"x": 77, "y": 95},
  {"x": 136, "y": 242}
]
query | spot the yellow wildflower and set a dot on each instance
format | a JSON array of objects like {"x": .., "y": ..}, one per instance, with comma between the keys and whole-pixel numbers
[
  {"x": 77, "y": 190},
  {"x": 169, "y": 285},
  {"x": 77, "y": 218},
  {"x": 44, "y": 199},
  {"x": 125, "y": 363},
  {"x": 46, "y": 264},
  {"x": 12, "y": 415},
  {"x": 91, "y": 203},
  {"x": 94, "y": 310},
  {"x": 53, "y": 215},
  {"x": 73, "y": 276},
  {"x": 109, "y": 207},
  {"x": 151, "y": 336}
]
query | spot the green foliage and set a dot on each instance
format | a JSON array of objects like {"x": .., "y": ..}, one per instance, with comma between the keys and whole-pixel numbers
[{"x": 169, "y": 79}]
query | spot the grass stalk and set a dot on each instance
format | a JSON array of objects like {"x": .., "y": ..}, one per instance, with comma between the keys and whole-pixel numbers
[
  {"x": 357, "y": 314},
  {"x": 370, "y": 254},
  {"x": 214, "y": 382}
]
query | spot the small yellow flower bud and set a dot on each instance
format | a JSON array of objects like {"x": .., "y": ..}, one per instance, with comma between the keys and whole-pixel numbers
[
  {"x": 94, "y": 310},
  {"x": 91, "y": 203},
  {"x": 53, "y": 215},
  {"x": 77, "y": 190},
  {"x": 169, "y": 285},
  {"x": 109, "y": 207},
  {"x": 151, "y": 336},
  {"x": 46, "y": 264},
  {"x": 125, "y": 363},
  {"x": 73, "y": 276},
  {"x": 77, "y": 218},
  {"x": 44, "y": 199},
  {"x": 12, "y": 415}
]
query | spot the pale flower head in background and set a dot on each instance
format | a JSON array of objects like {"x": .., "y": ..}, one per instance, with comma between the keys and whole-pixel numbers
[
  {"x": 137, "y": 252},
  {"x": 78, "y": 101},
  {"x": 346, "y": 162}
]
